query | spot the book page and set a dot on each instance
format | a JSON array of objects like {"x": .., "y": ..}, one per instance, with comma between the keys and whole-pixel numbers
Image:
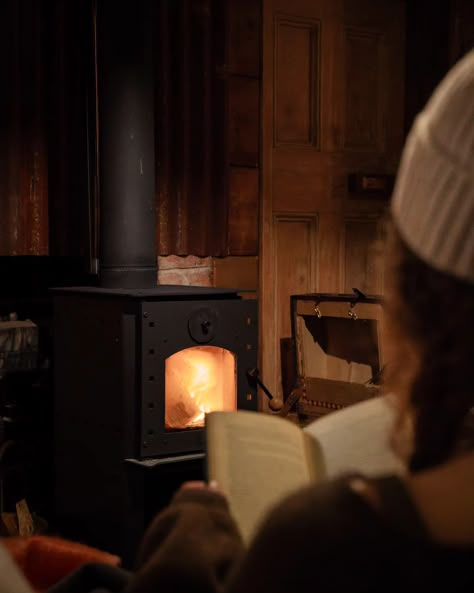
[
  {"x": 257, "y": 459},
  {"x": 357, "y": 439}
]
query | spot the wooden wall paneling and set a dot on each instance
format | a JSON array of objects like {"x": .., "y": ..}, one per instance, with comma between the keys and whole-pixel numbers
[
  {"x": 243, "y": 124},
  {"x": 392, "y": 85},
  {"x": 330, "y": 231},
  {"x": 236, "y": 272},
  {"x": 296, "y": 67},
  {"x": 294, "y": 247},
  {"x": 302, "y": 179},
  {"x": 217, "y": 238},
  {"x": 266, "y": 298},
  {"x": 362, "y": 262},
  {"x": 163, "y": 129},
  {"x": 244, "y": 106},
  {"x": 294, "y": 173},
  {"x": 244, "y": 37},
  {"x": 181, "y": 114},
  {"x": 9, "y": 124},
  {"x": 23, "y": 188},
  {"x": 36, "y": 206},
  {"x": 243, "y": 211},
  {"x": 191, "y": 133},
  {"x": 203, "y": 48},
  {"x": 359, "y": 94},
  {"x": 207, "y": 89},
  {"x": 374, "y": 81},
  {"x": 373, "y": 131},
  {"x": 362, "y": 122},
  {"x": 200, "y": 139},
  {"x": 332, "y": 85}
]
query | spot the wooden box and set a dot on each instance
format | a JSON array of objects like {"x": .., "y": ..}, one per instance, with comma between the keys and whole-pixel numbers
[{"x": 337, "y": 348}]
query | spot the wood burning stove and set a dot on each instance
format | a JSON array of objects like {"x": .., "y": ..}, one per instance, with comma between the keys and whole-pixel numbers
[
  {"x": 135, "y": 372},
  {"x": 136, "y": 366},
  {"x": 142, "y": 367}
]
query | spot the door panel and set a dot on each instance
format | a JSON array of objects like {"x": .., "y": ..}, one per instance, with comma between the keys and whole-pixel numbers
[
  {"x": 296, "y": 67},
  {"x": 332, "y": 104}
]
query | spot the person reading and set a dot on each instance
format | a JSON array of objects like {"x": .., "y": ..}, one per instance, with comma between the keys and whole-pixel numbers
[{"x": 409, "y": 532}]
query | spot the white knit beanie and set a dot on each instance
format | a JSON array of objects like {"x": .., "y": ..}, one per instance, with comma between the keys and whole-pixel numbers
[{"x": 433, "y": 200}]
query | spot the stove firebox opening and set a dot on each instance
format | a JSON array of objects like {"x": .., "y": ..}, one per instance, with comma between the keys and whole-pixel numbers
[{"x": 198, "y": 380}]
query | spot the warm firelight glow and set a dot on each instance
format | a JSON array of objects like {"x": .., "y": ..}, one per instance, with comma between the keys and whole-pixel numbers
[{"x": 197, "y": 381}]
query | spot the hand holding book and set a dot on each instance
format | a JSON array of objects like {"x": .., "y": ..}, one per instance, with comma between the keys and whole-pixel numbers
[{"x": 258, "y": 459}]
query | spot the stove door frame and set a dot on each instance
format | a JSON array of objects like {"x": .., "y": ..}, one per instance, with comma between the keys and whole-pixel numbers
[{"x": 166, "y": 329}]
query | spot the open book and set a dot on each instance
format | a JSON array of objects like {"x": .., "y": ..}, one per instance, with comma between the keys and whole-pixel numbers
[{"x": 257, "y": 459}]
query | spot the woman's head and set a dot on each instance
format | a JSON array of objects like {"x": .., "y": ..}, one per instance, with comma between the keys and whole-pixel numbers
[
  {"x": 429, "y": 316},
  {"x": 429, "y": 297}
]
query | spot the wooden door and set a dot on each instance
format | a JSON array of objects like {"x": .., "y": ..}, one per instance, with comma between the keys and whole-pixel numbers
[{"x": 332, "y": 105}]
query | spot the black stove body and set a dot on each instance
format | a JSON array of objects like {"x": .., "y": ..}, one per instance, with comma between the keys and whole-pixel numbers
[{"x": 110, "y": 353}]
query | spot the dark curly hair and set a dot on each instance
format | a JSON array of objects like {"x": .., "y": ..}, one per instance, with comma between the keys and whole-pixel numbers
[{"x": 429, "y": 318}]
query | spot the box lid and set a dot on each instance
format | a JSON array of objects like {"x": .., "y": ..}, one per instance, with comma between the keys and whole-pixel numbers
[{"x": 337, "y": 346}]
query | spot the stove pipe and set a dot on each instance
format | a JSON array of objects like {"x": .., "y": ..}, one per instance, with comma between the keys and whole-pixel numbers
[{"x": 126, "y": 156}]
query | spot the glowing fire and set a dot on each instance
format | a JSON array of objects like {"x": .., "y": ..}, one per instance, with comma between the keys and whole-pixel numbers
[{"x": 198, "y": 380}]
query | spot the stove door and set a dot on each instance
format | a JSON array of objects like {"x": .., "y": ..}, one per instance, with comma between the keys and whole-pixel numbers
[{"x": 195, "y": 355}]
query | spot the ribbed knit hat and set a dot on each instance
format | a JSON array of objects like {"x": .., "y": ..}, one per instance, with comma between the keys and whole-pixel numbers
[{"x": 433, "y": 200}]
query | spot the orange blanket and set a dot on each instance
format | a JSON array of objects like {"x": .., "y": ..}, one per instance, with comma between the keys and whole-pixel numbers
[{"x": 45, "y": 560}]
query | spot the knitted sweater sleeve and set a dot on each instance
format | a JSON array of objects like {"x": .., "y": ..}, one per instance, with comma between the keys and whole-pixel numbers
[
  {"x": 194, "y": 545},
  {"x": 319, "y": 539},
  {"x": 190, "y": 546}
]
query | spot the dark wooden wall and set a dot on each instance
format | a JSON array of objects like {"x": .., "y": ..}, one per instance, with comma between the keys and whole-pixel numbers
[
  {"x": 23, "y": 153},
  {"x": 438, "y": 34},
  {"x": 70, "y": 139},
  {"x": 207, "y": 120},
  {"x": 45, "y": 61},
  {"x": 244, "y": 89},
  {"x": 208, "y": 76},
  {"x": 207, "y": 127}
]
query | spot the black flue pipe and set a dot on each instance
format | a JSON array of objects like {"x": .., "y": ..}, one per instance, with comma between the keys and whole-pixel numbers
[{"x": 126, "y": 155}]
